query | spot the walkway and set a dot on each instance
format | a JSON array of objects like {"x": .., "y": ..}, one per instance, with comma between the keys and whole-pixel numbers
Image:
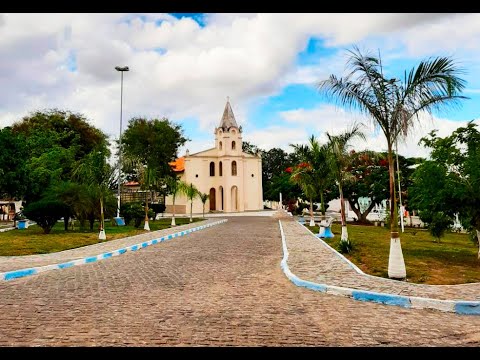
[
  {"x": 9, "y": 263},
  {"x": 311, "y": 259},
  {"x": 219, "y": 286}
]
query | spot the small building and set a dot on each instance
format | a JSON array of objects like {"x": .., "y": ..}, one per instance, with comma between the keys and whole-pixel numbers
[{"x": 232, "y": 178}]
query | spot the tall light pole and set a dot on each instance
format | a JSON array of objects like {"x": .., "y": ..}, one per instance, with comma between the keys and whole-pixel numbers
[{"x": 122, "y": 70}]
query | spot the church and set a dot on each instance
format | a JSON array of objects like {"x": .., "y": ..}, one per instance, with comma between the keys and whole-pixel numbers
[{"x": 231, "y": 178}]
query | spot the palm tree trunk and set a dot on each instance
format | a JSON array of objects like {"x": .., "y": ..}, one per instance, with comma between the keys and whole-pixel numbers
[
  {"x": 344, "y": 236},
  {"x": 191, "y": 209},
  {"x": 312, "y": 221},
  {"x": 173, "y": 211},
  {"x": 322, "y": 203},
  {"x": 146, "y": 226},
  {"x": 396, "y": 263},
  {"x": 101, "y": 235},
  {"x": 203, "y": 210}
]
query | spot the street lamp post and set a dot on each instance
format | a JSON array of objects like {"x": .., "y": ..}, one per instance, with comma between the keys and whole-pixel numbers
[{"x": 122, "y": 70}]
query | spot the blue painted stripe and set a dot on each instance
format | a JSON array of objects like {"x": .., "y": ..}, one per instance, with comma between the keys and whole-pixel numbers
[
  {"x": 65, "y": 265},
  {"x": 106, "y": 255},
  {"x": 134, "y": 247},
  {"x": 382, "y": 298},
  {"x": 144, "y": 244},
  {"x": 467, "y": 307},
  {"x": 308, "y": 284},
  {"x": 154, "y": 241},
  {"x": 170, "y": 236},
  {"x": 122, "y": 251},
  {"x": 90, "y": 259},
  {"x": 19, "y": 273}
]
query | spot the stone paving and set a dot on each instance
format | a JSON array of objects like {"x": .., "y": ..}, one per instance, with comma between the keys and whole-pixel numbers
[
  {"x": 8, "y": 263},
  {"x": 310, "y": 259},
  {"x": 222, "y": 286}
]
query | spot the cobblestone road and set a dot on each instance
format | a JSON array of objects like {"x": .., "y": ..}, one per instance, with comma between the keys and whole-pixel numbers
[{"x": 219, "y": 286}]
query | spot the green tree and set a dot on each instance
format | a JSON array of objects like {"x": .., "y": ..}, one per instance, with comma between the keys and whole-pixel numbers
[
  {"x": 45, "y": 212},
  {"x": 191, "y": 192},
  {"x": 395, "y": 105},
  {"x": 154, "y": 142},
  {"x": 54, "y": 141},
  {"x": 95, "y": 172},
  {"x": 274, "y": 163},
  {"x": 316, "y": 156},
  {"x": 338, "y": 159},
  {"x": 302, "y": 175},
  {"x": 173, "y": 186},
  {"x": 281, "y": 183},
  {"x": 251, "y": 149},
  {"x": 450, "y": 181},
  {"x": 203, "y": 197},
  {"x": 13, "y": 173}
]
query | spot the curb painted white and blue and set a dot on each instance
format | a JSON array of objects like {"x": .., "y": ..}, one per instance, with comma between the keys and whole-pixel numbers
[
  {"x": 455, "y": 306},
  {"x": 15, "y": 274}
]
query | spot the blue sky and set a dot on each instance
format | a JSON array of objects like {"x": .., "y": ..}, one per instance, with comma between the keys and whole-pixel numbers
[{"x": 183, "y": 66}]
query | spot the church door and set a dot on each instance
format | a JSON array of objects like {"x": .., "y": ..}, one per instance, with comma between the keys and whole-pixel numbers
[{"x": 212, "y": 199}]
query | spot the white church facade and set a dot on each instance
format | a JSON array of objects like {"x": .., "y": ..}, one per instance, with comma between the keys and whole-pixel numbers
[{"x": 232, "y": 178}]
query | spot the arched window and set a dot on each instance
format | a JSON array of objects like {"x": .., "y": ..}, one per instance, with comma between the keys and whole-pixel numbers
[
  {"x": 234, "y": 168},
  {"x": 212, "y": 169},
  {"x": 220, "y": 145},
  {"x": 220, "y": 169},
  {"x": 233, "y": 145}
]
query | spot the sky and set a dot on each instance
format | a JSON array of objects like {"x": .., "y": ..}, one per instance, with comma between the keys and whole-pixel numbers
[{"x": 183, "y": 67}]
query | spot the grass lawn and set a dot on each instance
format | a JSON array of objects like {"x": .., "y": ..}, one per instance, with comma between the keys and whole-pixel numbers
[
  {"x": 34, "y": 241},
  {"x": 453, "y": 260}
]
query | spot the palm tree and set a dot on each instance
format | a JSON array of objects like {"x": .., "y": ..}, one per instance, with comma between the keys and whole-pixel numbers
[
  {"x": 95, "y": 172},
  {"x": 191, "y": 192},
  {"x": 173, "y": 186},
  {"x": 395, "y": 106},
  {"x": 317, "y": 156},
  {"x": 303, "y": 176},
  {"x": 148, "y": 178},
  {"x": 339, "y": 160},
  {"x": 203, "y": 197}
]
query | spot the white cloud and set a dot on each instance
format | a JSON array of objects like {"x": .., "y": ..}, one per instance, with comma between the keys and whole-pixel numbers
[
  {"x": 328, "y": 118},
  {"x": 178, "y": 69}
]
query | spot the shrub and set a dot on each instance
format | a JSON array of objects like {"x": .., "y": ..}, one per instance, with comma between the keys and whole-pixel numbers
[
  {"x": 439, "y": 224},
  {"x": 345, "y": 246},
  {"x": 45, "y": 213},
  {"x": 157, "y": 209},
  {"x": 134, "y": 211}
]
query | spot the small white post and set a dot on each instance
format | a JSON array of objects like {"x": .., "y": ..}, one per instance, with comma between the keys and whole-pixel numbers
[{"x": 281, "y": 202}]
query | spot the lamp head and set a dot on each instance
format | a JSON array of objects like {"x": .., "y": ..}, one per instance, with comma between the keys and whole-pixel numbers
[{"x": 124, "y": 68}]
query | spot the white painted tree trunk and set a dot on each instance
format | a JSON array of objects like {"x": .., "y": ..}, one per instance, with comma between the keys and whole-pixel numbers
[
  {"x": 173, "y": 221},
  {"x": 396, "y": 264},
  {"x": 344, "y": 236},
  {"x": 101, "y": 235},
  {"x": 312, "y": 222},
  {"x": 146, "y": 226}
]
